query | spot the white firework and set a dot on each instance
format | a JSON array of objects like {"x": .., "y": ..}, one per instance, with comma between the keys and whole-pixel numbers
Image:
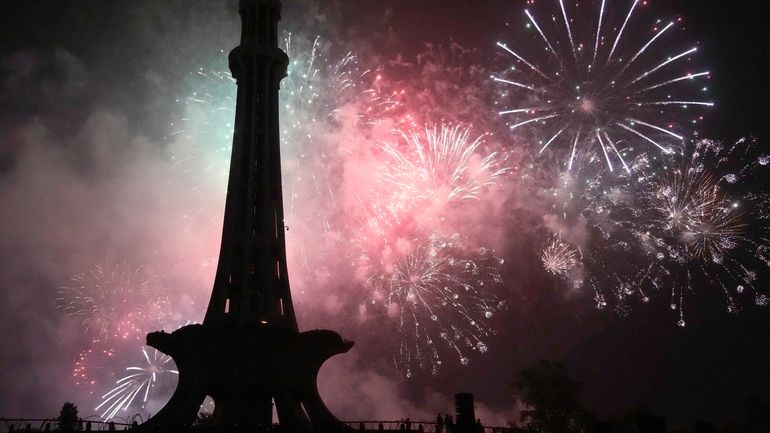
[
  {"x": 601, "y": 79},
  {"x": 139, "y": 382}
]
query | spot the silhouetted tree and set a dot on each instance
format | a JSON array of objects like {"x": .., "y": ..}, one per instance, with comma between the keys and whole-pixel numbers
[
  {"x": 552, "y": 399},
  {"x": 68, "y": 418}
]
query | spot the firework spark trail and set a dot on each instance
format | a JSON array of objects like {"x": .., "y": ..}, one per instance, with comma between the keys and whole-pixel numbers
[
  {"x": 205, "y": 128},
  {"x": 443, "y": 166},
  {"x": 139, "y": 382},
  {"x": 113, "y": 301},
  {"x": 438, "y": 290},
  {"x": 692, "y": 220},
  {"x": 115, "y": 305},
  {"x": 641, "y": 92},
  {"x": 421, "y": 177},
  {"x": 707, "y": 220},
  {"x": 318, "y": 85},
  {"x": 322, "y": 94},
  {"x": 87, "y": 361},
  {"x": 314, "y": 91},
  {"x": 559, "y": 258}
]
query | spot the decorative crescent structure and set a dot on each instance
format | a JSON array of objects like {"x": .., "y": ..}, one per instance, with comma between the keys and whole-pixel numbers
[{"x": 248, "y": 353}]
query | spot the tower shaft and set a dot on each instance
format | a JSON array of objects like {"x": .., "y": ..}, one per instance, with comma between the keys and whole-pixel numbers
[{"x": 251, "y": 284}]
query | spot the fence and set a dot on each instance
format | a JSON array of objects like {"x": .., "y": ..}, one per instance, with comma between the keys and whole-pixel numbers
[
  {"x": 93, "y": 424},
  {"x": 51, "y": 424}
]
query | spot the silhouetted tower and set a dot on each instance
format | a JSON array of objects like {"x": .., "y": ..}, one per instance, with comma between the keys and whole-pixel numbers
[
  {"x": 251, "y": 284},
  {"x": 248, "y": 353}
]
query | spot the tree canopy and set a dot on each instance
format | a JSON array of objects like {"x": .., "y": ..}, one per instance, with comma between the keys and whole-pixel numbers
[{"x": 551, "y": 397}]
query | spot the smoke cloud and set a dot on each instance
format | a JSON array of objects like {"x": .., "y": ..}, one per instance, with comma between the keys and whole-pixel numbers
[{"x": 113, "y": 167}]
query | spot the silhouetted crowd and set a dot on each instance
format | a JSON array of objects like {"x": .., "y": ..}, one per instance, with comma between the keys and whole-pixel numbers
[{"x": 446, "y": 424}]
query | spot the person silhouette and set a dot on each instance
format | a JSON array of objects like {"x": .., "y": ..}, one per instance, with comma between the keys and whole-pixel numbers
[
  {"x": 449, "y": 423},
  {"x": 439, "y": 423}
]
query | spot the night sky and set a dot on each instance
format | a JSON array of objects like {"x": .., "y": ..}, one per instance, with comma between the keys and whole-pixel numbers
[{"x": 113, "y": 119}]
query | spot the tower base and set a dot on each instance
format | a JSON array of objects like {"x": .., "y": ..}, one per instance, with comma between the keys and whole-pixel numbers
[{"x": 244, "y": 369}]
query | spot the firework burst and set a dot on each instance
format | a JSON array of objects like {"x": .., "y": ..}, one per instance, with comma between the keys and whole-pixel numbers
[
  {"x": 313, "y": 94},
  {"x": 139, "y": 382},
  {"x": 706, "y": 224},
  {"x": 321, "y": 94},
  {"x": 601, "y": 80},
  {"x": 88, "y": 366},
  {"x": 113, "y": 301},
  {"x": 438, "y": 292},
  {"x": 437, "y": 289},
  {"x": 442, "y": 164},
  {"x": 202, "y": 136},
  {"x": 691, "y": 220},
  {"x": 559, "y": 258}
]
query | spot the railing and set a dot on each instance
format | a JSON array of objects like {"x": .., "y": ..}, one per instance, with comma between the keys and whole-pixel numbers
[
  {"x": 52, "y": 424},
  {"x": 90, "y": 424},
  {"x": 425, "y": 426}
]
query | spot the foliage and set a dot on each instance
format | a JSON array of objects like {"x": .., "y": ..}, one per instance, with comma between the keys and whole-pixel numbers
[
  {"x": 551, "y": 396},
  {"x": 68, "y": 418}
]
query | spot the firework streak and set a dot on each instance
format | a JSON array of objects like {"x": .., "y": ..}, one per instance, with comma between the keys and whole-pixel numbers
[
  {"x": 600, "y": 80},
  {"x": 691, "y": 220}
]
